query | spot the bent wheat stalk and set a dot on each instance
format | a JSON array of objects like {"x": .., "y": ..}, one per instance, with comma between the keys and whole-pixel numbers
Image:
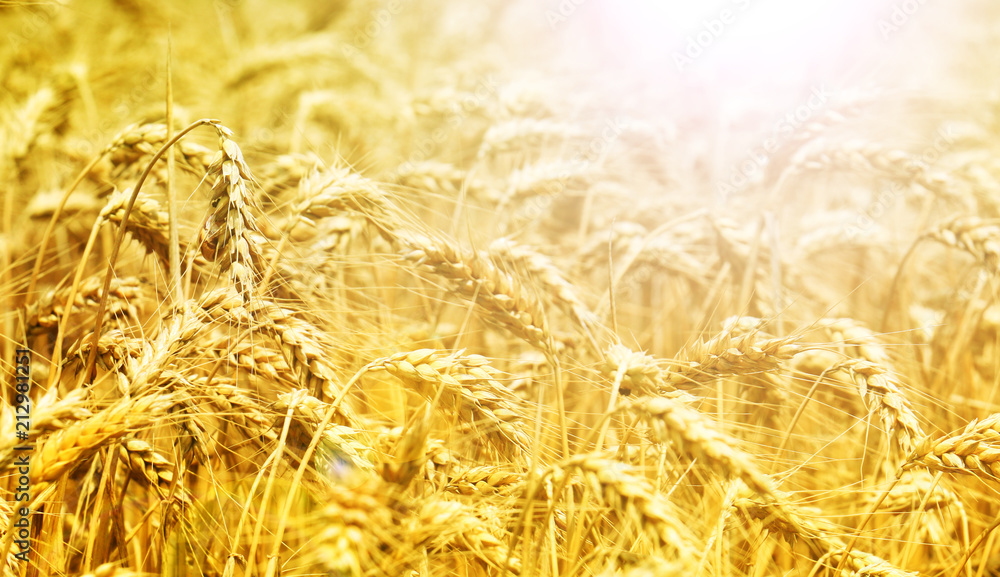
[{"x": 88, "y": 372}]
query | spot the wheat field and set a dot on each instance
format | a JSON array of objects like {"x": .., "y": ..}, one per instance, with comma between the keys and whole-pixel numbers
[{"x": 499, "y": 288}]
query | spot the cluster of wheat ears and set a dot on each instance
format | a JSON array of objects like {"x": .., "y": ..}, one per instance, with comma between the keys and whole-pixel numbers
[{"x": 407, "y": 308}]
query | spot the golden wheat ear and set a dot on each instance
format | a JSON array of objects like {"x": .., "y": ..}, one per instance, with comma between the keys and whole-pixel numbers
[{"x": 231, "y": 234}]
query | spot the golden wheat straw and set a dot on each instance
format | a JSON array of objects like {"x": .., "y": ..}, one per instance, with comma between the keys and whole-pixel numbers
[
  {"x": 343, "y": 445},
  {"x": 22, "y": 126},
  {"x": 821, "y": 539},
  {"x": 502, "y": 295},
  {"x": 540, "y": 269},
  {"x": 469, "y": 385},
  {"x": 389, "y": 159},
  {"x": 442, "y": 178},
  {"x": 139, "y": 140},
  {"x": 505, "y": 299},
  {"x": 148, "y": 223},
  {"x": 149, "y": 466},
  {"x": 112, "y": 570},
  {"x": 353, "y": 529},
  {"x": 450, "y": 529},
  {"x": 544, "y": 179},
  {"x": 636, "y": 373},
  {"x": 525, "y": 134},
  {"x": 484, "y": 480}
]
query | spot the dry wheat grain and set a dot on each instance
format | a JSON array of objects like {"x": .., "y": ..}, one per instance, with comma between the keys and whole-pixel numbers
[
  {"x": 975, "y": 450},
  {"x": 726, "y": 355},
  {"x": 883, "y": 393},
  {"x": 877, "y": 160},
  {"x": 524, "y": 134},
  {"x": 19, "y": 128},
  {"x": 68, "y": 447},
  {"x": 125, "y": 295},
  {"x": 140, "y": 140},
  {"x": 150, "y": 467},
  {"x": 353, "y": 530},
  {"x": 503, "y": 296},
  {"x": 470, "y": 386},
  {"x": 540, "y": 268},
  {"x": 231, "y": 234},
  {"x": 437, "y": 177},
  {"x": 450, "y": 528},
  {"x": 484, "y": 480},
  {"x": 625, "y": 490},
  {"x": 974, "y": 235},
  {"x": 821, "y": 538},
  {"x": 147, "y": 222},
  {"x": 696, "y": 437}
]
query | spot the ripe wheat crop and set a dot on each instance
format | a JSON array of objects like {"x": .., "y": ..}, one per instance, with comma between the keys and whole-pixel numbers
[{"x": 362, "y": 288}]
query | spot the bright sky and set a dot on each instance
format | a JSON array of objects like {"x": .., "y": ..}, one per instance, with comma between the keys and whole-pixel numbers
[{"x": 726, "y": 38}]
